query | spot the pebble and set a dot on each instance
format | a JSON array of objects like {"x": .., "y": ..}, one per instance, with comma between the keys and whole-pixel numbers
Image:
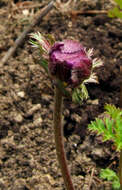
[
  {"x": 21, "y": 94},
  {"x": 76, "y": 117},
  {"x": 34, "y": 109},
  {"x": 49, "y": 179},
  {"x": 18, "y": 118},
  {"x": 93, "y": 102},
  {"x": 2, "y": 186},
  {"x": 38, "y": 122},
  {"x": 97, "y": 153},
  {"x": 70, "y": 24}
]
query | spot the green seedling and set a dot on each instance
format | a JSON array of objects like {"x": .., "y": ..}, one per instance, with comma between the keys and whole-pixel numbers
[
  {"x": 110, "y": 127},
  {"x": 110, "y": 175},
  {"x": 117, "y": 10}
]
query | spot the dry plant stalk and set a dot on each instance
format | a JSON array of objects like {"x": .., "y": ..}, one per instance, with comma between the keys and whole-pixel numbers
[{"x": 29, "y": 29}]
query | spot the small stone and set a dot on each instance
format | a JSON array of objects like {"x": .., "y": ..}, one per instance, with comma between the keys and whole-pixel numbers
[
  {"x": 70, "y": 24},
  {"x": 98, "y": 153},
  {"x": 95, "y": 102},
  {"x": 21, "y": 94},
  {"x": 18, "y": 118},
  {"x": 33, "y": 181},
  {"x": 2, "y": 186},
  {"x": 66, "y": 112},
  {"x": 38, "y": 122},
  {"x": 24, "y": 130},
  {"x": 34, "y": 109},
  {"x": 25, "y": 12},
  {"x": 76, "y": 117},
  {"x": 32, "y": 67},
  {"x": 49, "y": 179},
  {"x": 75, "y": 139}
]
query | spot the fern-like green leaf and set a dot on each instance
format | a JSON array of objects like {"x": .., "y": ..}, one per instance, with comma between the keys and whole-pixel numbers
[
  {"x": 110, "y": 175},
  {"x": 112, "y": 111},
  {"x": 115, "y": 12},
  {"x": 119, "y": 3},
  {"x": 118, "y": 139},
  {"x": 97, "y": 125},
  {"x": 110, "y": 127}
]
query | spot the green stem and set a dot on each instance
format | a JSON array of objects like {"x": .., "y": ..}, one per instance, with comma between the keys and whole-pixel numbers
[
  {"x": 120, "y": 170},
  {"x": 59, "y": 139}
]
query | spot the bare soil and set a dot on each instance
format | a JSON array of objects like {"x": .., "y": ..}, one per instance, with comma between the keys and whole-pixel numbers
[{"x": 27, "y": 148}]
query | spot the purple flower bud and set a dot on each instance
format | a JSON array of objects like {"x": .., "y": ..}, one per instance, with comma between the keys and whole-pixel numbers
[{"x": 69, "y": 62}]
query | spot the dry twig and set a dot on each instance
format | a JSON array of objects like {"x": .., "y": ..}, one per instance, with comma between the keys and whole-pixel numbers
[
  {"x": 91, "y": 177},
  {"x": 88, "y": 12},
  {"x": 26, "y": 6},
  {"x": 29, "y": 29}
]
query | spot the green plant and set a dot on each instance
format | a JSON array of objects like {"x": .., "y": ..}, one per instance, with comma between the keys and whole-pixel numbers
[
  {"x": 110, "y": 127},
  {"x": 110, "y": 175},
  {"x": 116, "y": 11}
]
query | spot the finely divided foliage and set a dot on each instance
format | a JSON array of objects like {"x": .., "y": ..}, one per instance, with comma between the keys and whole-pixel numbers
[
  {"x": 110, "y": 175},
  {"x": 111, "y": 126}
]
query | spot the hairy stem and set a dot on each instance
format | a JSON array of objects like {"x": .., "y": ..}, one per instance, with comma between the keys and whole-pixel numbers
[
  {"x": 120, "y": 170},
  {"x": 59, "y": 139}
]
